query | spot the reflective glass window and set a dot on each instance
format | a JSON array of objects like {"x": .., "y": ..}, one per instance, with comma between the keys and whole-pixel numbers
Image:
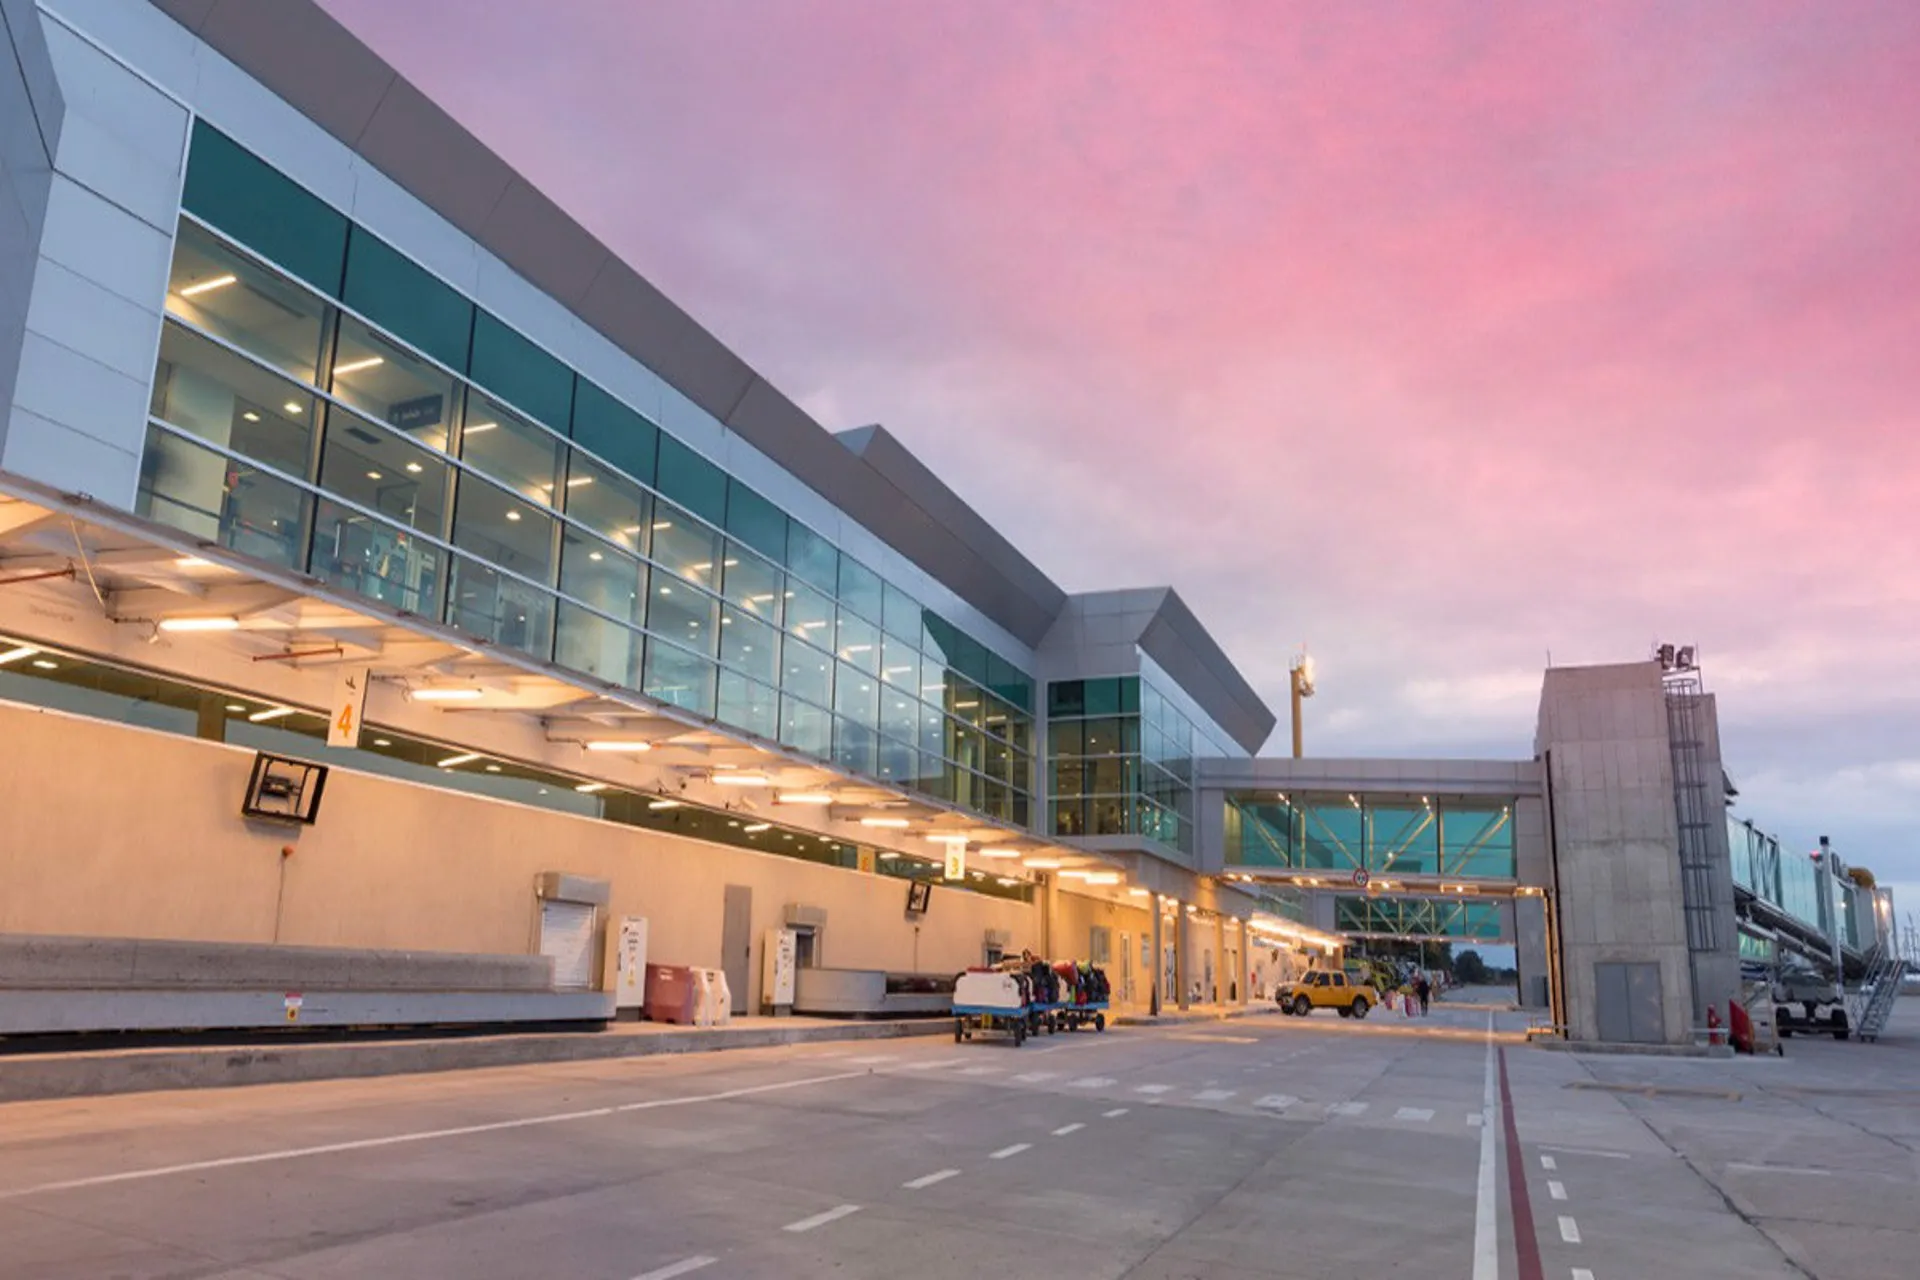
[
  {"x": 938, "y": 637},
  {"x": 1476, "y": 840},
  {"x": 1403, "y": 838},
  {"x": 1102, "y": 697},
  {"x": 806, "y": 672},
  {"x": 608, "y": 503},
  {"x": 749, "y": 705},
  {"x": 502, "y": 609},
  {"x": 391, "y": 385},
  {"x": 377, "y": 559},
  {"x": 900, "y": 665},
  {"x": 511, "y": 450},
  {"x": 755, "y": 520},
  {"x": 1104, "y": 737},
  {"x": 602, "y": 576},
  {"x": 586, "y": 642},
  {"x": 230, "y": 401},
  {"x": 614, "y": 431},
  {"x": 384, "y": 471},
  {"x": 811, "y": 557},
  {"x": 900, "y": 613},
  {"x": 859, "y": 642},
  {"x": 406, "y": 300},
  {"x": 519, "y": 372},
  {"x": 749, "y": 645},
  {"x": 810, "y": 615},
  {"x": 679, "y": 678},
  {"x": 258, "y": 206},
  {"x": 856, "y": 695},
  {"x": 688, "y": 617},
  {"x": 860, "y": 588},
  {"x": 805, "y": 727},
  {"x": 897, "y": 762},
  {"x": 226, "y": 293},
  {"x": 1066, "y": 698},
  {"x": 966, "y": 703},
  {"x": 1332, "y": 834},
  {"x": 218, "y": 499},
  {"x": 752, "y": 583},
  {"x": 684, "y": 546},
  {"x": 855, "y": 746},
  {"x": 899, "y": 712},
  {"x": 933, "y": 730},
  {"x": 500, "y": 527},
  {"x": 690, "y": 480}
]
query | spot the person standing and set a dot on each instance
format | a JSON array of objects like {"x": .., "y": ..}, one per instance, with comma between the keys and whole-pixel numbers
[{"x": 1423, "y": 989}]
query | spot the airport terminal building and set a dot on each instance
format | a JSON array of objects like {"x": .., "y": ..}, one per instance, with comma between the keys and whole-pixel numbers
[{"x": 387, "y": 568}]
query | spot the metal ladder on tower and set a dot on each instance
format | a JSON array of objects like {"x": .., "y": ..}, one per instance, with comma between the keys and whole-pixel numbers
[{"x": 1879, "y": 990}]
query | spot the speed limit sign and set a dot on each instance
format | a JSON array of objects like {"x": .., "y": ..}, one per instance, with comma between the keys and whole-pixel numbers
[{"x": 1360, "y": 877}]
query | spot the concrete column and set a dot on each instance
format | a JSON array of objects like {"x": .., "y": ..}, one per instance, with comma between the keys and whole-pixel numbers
[
  {"x": 1154, "y": 994},
  {"x": 1183, "y": 954},
  {"x": 1220, "y": 977}
]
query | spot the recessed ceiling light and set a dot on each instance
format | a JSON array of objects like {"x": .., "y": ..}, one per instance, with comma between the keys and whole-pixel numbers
[
  {"x": 291, "y": 406},
  {"x": 513, "y": 515},
  {"x": 754, "y": 828},
  {"x": 382, "y": 742},
  {"x": 595, "y": 555},
  {"x": 236, "y": 706},
  {"x": 589, "y": 788},
  {"x": 375, "y": 475},
  {"x": 251, "y": 416},
  {"x": 271, "y": 713},
  {"x": 475, "y": 428},
  {"x": 493, "y": 768},
  {"x": 414, "y": 467}
]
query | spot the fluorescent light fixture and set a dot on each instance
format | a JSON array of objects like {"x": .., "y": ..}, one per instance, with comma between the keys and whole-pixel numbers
[
  {"x": 754, "y": 828},
  {"x": 14, "y": 655},
  {"x": 513, "y": 515},
  {"x": 1102, "y": 877},
  {"x": 466, "y": 758},
  {"x": 414, "y": 467},
  {"x": 741, "y": 780},
  {"x": 375, "y": 475},
  {"x": 1138, "y": 892},
  {"x": 588, "y": 788},
  {"x": 493, "y": 768},
  {"x": 271, "y": 713},
  {"x": 996, "y": 855},
  {"x": 382, "y": 742},
  {"x": 292, "y": 406},
  {"x": 47, "y": 665},
  {"x": 236, "y": 707},
  {"x": 251, "y": 416},
  {"x": 475, "y": 428},
  {"x": 579, "y": 481},
  {"x": 888, "y": 857},
  {"x": 1042, "y": 864},
  {"x": 947, "y": 837},
  {"x": 199, "y": 624},
  {"x": 356, "y": 366},
  {"x": 619, "y": 746},
  {"x": 815, "y": 798},
  {"x": 1006, "y": 882},
  {"x": 191, "y": 562},
  {"x": 894, "y": 824},
  {"x": 446, "y": 695},
  {"x": 208, "y": 286},
  {"x": 664, "y": 803}
]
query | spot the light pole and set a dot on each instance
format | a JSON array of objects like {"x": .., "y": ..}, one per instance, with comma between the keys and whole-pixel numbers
[{"x": 1300, "y": 674}]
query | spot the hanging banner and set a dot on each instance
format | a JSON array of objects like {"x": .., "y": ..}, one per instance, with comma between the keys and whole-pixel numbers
[
  {"x": 349, "y": 701},
  {"x": 956, "y": 862}
]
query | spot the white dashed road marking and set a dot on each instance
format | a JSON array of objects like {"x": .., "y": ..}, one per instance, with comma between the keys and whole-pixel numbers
[
  {"x": 1066, "y": 1129},
  {"x": 679, "y": 1268},
  {"x": 822, "y": 1219},
  {"x": 1116, "y": 1112},
  {"x": 1581, "y": 1273},
  {"x": 1346, "y": 1108},
  {"x": 1413, "y": 1113},
  {"x": 1035, "y": 1077},
  {"x": 980, "y": 1071},
  {"x": 1558, "y": 1190},
  {"x": 873, "y": 1060},
  {"x": 1276, "y": 1102},
  {"x": 1548, "y": 1163},
  {"x": 1091, "y": 1082},
  {"x": 1569, "y": 1230},
  {"x": 1214, "y": 1095},
  {"x": 1013, "y": 1150},
  {"x": 1737, "y": 1167},
  {"x": 921, "y": 1183},
  {"x": 1474, "y": 1117},
  {"x": 1153, "y": 1088}
]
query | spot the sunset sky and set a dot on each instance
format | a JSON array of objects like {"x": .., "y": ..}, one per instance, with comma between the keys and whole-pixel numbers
[{"x": 1438, "y": 336}]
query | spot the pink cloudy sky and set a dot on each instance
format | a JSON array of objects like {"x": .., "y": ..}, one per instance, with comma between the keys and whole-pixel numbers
[{"x": 1439, "y": 336}]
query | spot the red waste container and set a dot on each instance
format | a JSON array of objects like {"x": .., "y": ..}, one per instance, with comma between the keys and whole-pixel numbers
[{"x": 672, "y": 994}]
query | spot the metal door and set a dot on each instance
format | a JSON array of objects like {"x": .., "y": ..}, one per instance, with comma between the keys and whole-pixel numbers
[
  {"x": 1627, "y": 1003},
  {"x": 566, "y": 934},
  {"x": 736, "y": 942}
]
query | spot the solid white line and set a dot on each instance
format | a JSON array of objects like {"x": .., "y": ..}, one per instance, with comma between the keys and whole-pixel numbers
[
  {"x": 1013, "y": 1150},
  {"x": 1413, "y": 1113},
  {"x": 1586, "y": 1151},
  {"x": 822, "y": 1219},
  {"x": 1117, "y": 1111},
  {"x": 980, "y": 1071},
  {"x": 1090, "y": 1082},
  {"x": 679, "y": 1268},
  {"x": 921, "y": 1183},
  {"x": 1035, "y": 1077},
  {"x": 1153, "y": 1088},
  {"x": 1066, "y": 1129},
  {"x": 1780, "y": 1168},
  {"x": 1558, "y": 1190},
  {"x": 873, "y": 1060},
  {"x": 1213, "y": 1095},
  {"x": 1569, "y": 1230},
  {"x": 1486, "y": 1231},
  {"x": 1474, "y": 1117},
  {"x": 424, "y": 1135},
  {"x": 1549, "y": 1163}
]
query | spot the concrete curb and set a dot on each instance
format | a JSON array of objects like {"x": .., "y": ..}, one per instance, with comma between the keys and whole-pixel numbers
[
  {"x": 29, "y": 1077},
  {"x": 1191, "y": 1016}
]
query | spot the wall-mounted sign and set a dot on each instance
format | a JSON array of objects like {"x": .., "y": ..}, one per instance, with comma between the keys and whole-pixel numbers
[
  {"x": 349, "y": 703},
  {"x": 956, "y": 862}
]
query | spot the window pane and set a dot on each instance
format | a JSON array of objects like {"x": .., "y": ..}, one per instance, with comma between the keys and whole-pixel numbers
[
  {"x": 1067, "y": 698},
  {"x": 598, "y": 575},
  {"x": 1102, "y": 697},
  {"x": 679, "y": 678},
  {"x": 963, "y": 700},
  {"x": 856, "y": 695},
  {"x": 227, "y": 294},
  {"x": 860, "y": 588},
  {"x": 592, "y": 644},
  {"x": 509, "y": 449},
  {"x": 1477, "y": 840},
  {"x": 691, "y": 481},
  {"x": 810, "y": 615},
  {"x": 753, "y": 583},
  {"x": 933, "y": 730},
  {"x": 614, "y": 431},
  {"x": 209, "y": 496},
  {"x": 232, "y": 402},
  {"x": 854, "y": 746},
  {"x": 812, "y": 557},
  {"x": 859, "y": 643},
  {"x": 390, "y": 385},
  {"x": 376, "y": 559},
  {"x": 406, "y": 300},
  {"x": 688, "y": 617},
  {"x": 384, "y": 471},
  {"x": 805, "y": 727},
  {"x": 684, "y": 546},
  {"x": 498, "y": 608},
  {"x": 493, "y": 523},
  {"x": 900, "y": 665},
  {"x": 899, "y": 712},
  {"x": 806, "y": 673},
  {"x": 262, "y": 209},
  {"x": 897, "y": 762},
  {"x": 754, "y": 520},
  {"x": 520, "y": 373},
  {"x": 749, "y": 645},
  {"x": 934, "y": 679},
  {"x": 900, "y": 613},
  {"x": 608, "y": 503},
  {"x": 747, "y": 704},
  {"x": 1403, "y": 838},
  {"x": 1067, "y": 738},
  {"x": 938, "y": 637}
]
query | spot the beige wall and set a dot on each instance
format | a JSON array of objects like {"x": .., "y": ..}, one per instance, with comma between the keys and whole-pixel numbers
[
  {"x": 1074, "y": 919},
  {"x": 113, "y": 831}
]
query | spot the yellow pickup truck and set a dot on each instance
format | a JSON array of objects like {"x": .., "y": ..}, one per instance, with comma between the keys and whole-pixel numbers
[{"x": 1328, "y": 989}]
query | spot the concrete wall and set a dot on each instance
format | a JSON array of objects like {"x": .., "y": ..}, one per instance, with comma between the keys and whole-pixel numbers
[
  {"x": 1074, "y": 919},
  {"x": 1610, "y": 774},
  {"x": 123, "y": 832}
]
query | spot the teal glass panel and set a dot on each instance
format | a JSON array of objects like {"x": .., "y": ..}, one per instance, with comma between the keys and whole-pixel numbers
[
  {"x": 586, "y": 642},
  {"x": 1403, "y": 839},
  {"x": 965, "y": 703},
  {"x": 500, "y": 609},
  {"x": 615, "y": 432},
  {"x": 402, "y": 298},
  {"x": 938, "y": 636},
  {"x": 1476, "y": 840},
  {"x": 854, "y": 745},
  {"x": 264, "y": 210},
  {"x": 1067, "y": 698},
  {"x": 860, "y": 588},
  {"x": 810, "y": 615},
  {"x": 1333, "y": 834},
  {"x": 752, "y": 583},
  {"x": 1103, "y": 697},
  {"x": 211, "y": 496},
  {"x": 969, "y": 658},
  {"x": 377, "y": 559},
  {"x": 805, "y": 728},
  {"x": 1004, "y": 678},
  {"x": 858, "y": 642},
  {"x": 749, "y": 705},
  {"x": 513, "y": 368},
  {"x": 685, "y": 615},
  {"x": 749, "y": 645},
  {"x": 679, "y": 678},
  {"x": 755, "y": 520},
  {"x": 1130, "y": 695},
  {"x": 807, "y": 673},
  {"x": 812, "y": 558},
  {"x": 900, "y": 613},
  {"x": 897, "y": 762},
  {"x": 899, "y": 712},
  {"x": 692, "y": 481}
]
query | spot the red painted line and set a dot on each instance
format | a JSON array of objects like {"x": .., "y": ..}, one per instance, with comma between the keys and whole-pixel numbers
[{"x": 1526, "y": 1245}]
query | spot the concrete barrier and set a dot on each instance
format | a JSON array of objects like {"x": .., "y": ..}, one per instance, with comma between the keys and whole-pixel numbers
[{"x": 50, "y": 962}]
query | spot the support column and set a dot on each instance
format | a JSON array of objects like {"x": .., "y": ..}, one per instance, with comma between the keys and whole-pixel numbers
[
  {"x": 1155, "y": 967},
  {"x": 1220, "y": 977},
  {"x": 1183, "y": 954}
]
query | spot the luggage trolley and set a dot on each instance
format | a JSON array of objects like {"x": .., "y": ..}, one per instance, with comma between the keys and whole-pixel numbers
[{"x": 984, "y": 1002}]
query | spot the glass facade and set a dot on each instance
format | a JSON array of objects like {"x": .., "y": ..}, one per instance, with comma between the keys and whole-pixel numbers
[
  {"x": 1121, "y": 758},
  {"x": 1440, "y": 836},
  {"x": 354, "y": 418},
  {"x": 1462, "y": 918}
]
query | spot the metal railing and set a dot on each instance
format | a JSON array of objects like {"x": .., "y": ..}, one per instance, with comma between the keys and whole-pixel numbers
[{"x": 1870, "y": 1008}]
